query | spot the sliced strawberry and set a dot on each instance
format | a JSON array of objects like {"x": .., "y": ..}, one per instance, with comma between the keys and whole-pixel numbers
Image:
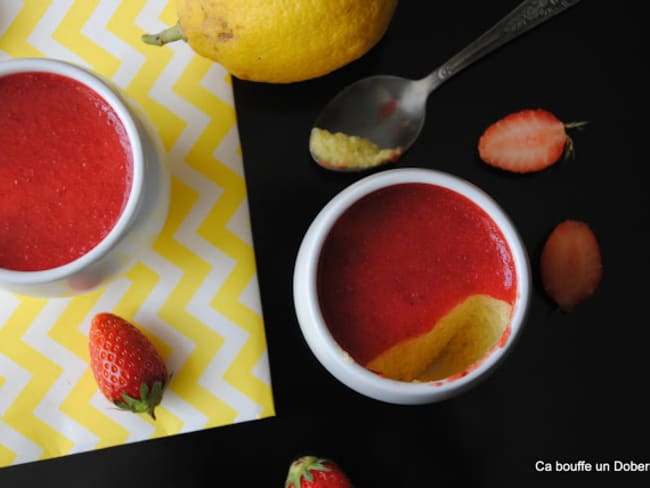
[
  {"x": 313, "y": 472},
  {"x": 526, "y": 141},
  {"x": 571, "y": 265}
]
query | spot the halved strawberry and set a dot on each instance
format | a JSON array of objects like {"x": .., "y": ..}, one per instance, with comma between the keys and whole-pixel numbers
[
  {"x": 571, "y": 264},
  {"x": 313, "y": 472},
  {"x": 526, "y": 141}
]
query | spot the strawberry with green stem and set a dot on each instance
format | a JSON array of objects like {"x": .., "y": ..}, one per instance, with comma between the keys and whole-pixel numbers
[
  {"x": 314, "y": 472},
  {"x": 127, "y": 367},
  {"x": 527, "y": 141}
]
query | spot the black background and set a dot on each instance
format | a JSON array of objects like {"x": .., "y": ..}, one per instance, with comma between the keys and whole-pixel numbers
[{"x": 575, "y": 386}]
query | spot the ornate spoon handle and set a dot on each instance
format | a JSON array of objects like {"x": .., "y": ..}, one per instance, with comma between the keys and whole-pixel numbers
[{"x": 524, "y": 17}]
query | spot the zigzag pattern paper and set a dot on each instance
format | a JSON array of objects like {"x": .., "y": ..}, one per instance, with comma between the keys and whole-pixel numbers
[{"x": 195, "y": 291}]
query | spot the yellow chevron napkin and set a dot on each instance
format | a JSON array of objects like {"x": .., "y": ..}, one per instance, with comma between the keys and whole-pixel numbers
[{"x": 195, "y": 290}]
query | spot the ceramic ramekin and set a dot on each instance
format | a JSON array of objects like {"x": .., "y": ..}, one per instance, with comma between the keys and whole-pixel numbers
[
  {"x": 144, "y": 213},
  {"x": 336, "y": 360}
]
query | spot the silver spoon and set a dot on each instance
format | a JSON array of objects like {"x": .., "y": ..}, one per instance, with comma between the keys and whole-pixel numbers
[{"x": 387, "y": 112}]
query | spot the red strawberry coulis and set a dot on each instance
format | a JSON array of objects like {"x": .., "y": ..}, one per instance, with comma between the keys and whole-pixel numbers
[
  {"x": 65, "y": 170},
  {"x": 401, "y": 258}
]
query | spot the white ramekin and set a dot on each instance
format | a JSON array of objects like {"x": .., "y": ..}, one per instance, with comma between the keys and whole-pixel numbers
[
  {"x": 316, "y": 333},
  {"x": 144, "y": 213}
]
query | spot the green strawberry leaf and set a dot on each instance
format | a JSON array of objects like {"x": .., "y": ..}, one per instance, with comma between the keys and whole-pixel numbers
[
  {"x": 302, "y": 469},
  {"x": 148, "y": 401}
]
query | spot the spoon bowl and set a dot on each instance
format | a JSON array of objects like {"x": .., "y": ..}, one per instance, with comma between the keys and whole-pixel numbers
[
  {"x": 387, "y": 109},
  {"x": 376, "y": 119}
]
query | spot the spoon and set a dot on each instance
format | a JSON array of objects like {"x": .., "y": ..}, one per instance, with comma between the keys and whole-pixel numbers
[{"x": 376, "y": 119}]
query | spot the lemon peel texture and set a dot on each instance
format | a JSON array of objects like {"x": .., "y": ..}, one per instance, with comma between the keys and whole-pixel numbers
[{"x": 279, "y": 41}]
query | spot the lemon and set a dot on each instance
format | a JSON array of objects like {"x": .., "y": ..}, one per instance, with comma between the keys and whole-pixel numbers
[{"x": 279, "y": 41}]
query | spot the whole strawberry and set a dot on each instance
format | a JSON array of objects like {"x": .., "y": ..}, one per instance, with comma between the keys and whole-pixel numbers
[
  {"x": 128, "y": 369},
  {"x": 313, "y": 472}
]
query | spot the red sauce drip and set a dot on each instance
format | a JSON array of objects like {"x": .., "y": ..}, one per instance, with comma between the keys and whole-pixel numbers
[
  {"x": 65, "y": 170},
  {"x": 401, "y": 258},
  {"x": 387, "y": 109}
]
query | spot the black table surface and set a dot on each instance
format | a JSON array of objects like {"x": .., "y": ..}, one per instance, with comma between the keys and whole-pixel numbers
[{"x": 574, "y": 387}]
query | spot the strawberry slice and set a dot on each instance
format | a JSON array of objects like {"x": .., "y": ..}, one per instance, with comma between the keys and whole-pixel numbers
[
  {"x": 314, "y": 472},
  {"x": 526, "y": 141},
  {"x": 571, "y": 266}
]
